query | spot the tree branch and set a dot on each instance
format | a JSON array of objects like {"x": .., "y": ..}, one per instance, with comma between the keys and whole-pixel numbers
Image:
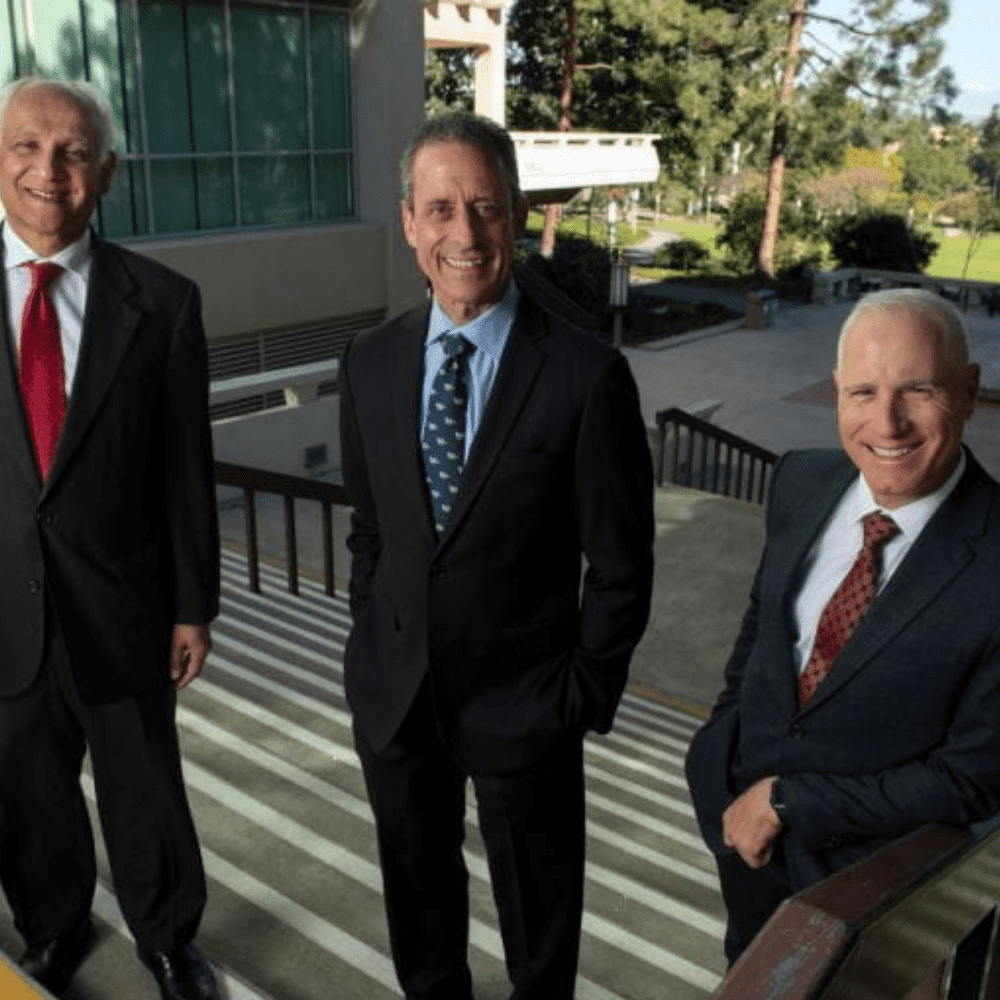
[{"x": 846, "y": 26}]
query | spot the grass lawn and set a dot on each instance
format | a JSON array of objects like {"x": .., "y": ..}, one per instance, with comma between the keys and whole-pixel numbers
[
  {"x": 950, "y": 258},
  {"x": 947, "y": 262},
  {"x": 693, "y": 228},
  {"x": 576, "y": 225}
]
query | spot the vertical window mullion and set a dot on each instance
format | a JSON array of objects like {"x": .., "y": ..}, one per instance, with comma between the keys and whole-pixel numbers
[
  {"x": 126, "y": 162},
  {"x": 190, "y": 104},
  {"x": 237, "y": 197},
  {"x": 141, "y": 97},
  {"x": 310, "y": 134},
  {"x": 84, "y": 48}
]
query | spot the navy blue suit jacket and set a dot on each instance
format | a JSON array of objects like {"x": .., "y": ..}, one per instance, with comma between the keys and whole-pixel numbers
[
  {"x": 493, "y": 611},
  {"x": 906, "y": 728}
]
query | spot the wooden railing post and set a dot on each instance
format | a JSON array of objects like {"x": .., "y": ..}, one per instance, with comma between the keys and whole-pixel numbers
[
  {"x": 733, "y": 471},
  {"x": 250, "y": 519},
  {"x": 290, "y": 488}
]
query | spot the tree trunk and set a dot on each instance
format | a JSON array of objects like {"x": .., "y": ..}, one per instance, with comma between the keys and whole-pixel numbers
[
  {"x": 553, "y": 213},
  {"x": 776, "y": 173}
]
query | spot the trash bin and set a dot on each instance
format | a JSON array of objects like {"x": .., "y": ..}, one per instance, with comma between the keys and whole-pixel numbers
[{"x": 761, "y": 309}]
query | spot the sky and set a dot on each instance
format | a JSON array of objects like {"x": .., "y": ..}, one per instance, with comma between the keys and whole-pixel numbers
[{"x": 971, "y": 38}]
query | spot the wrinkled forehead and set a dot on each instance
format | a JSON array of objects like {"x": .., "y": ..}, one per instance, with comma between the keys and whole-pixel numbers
[
  {"x": 454, "y": 161},
  {"x": 896, "y": 332},
  {"x": 40, "y": 107}
]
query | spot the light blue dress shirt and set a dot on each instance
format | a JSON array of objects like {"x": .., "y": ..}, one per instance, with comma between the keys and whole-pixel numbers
[{"x": 489, "y": 333}]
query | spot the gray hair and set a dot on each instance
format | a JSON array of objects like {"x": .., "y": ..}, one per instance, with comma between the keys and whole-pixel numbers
[
  {"x": 938, "y": 313},
  {"x": 85, "y": 95},
  {"x": 473, "y": 130}
]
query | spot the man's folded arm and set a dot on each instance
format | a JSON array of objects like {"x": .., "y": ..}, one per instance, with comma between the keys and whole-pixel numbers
[{"x": 957, "y": 783}]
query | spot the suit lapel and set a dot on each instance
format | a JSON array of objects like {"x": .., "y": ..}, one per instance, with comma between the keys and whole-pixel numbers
[
  {"x": 943, "y": 550},
  {"x": 13, "y": 425},
  {"x": 407, "y": 385},
  {"x": 522, "y": 358},
  {"x": 109, "y": 325}
]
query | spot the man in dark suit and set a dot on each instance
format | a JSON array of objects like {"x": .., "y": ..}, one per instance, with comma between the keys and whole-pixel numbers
[
  {"x": 863, "y": 693},
  {"x": 110, "y": 552},
  {"x": 488, "y": 448}
]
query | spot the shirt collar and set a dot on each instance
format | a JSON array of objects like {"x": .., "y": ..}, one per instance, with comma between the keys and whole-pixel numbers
[
  {"x": 913, "y": 517},
  {"x": 488, "y": 331},
  {"x": 75, "y": 257}
]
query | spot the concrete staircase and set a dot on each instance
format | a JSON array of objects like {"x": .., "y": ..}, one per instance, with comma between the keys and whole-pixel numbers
[{"x": 295, "y": 909}]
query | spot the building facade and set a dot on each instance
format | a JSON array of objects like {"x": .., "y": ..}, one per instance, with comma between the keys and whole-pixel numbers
[{"x": 258, "y": 144}]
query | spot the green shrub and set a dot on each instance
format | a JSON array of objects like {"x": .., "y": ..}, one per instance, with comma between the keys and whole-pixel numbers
[
  {"x": 743, "y": 230},
  {"x": 880, "y": 240},
  {"x": 681, "y": 255},
  {"x": 579, "y": 271}
]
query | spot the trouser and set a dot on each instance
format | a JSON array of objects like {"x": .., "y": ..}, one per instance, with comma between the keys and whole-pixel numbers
[
  {"x": 47, "y": 865},
  {"x": 532, "y": 824},
  {"x": 751, "y": 895}
]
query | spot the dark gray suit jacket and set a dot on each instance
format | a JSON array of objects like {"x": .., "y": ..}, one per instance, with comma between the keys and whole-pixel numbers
[
  {"x": 493, "y": 611},
  {"x": 906, "y": 728},
  {"x": 121, "y": 541}
]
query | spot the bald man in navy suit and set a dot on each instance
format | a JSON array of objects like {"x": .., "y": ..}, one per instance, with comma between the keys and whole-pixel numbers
[{"x": 805, "y": 768}]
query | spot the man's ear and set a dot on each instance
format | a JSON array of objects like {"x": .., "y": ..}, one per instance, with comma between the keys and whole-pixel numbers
[
  {"x": 971, "y": 387},
  {"x": 106, "y": 175},
  {"x": 406, "y": 216}
]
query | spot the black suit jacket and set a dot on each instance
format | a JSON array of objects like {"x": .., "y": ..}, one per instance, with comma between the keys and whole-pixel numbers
[
  {"x": 559, "y": 471},
  {"x": 905, "y": 730},
  {"x": 121, "y": 541}
]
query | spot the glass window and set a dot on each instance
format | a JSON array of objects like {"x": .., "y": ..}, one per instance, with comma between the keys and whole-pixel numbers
[{"x": 230, "y": 112}]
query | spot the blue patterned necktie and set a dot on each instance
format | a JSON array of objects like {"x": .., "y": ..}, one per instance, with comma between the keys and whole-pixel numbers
[{"x": 444, "y": 428}]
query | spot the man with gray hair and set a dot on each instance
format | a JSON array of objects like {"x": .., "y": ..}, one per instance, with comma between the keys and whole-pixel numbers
[
  {"x": 862, "y": 696},
  {"x": 110, "y": 552},
  {"x": 488, "y": 448}
]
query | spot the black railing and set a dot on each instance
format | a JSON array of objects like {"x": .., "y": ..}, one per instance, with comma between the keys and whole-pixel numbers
[
  {"x": 289, "y": 488},
  {"x": 695, "y": 453}
]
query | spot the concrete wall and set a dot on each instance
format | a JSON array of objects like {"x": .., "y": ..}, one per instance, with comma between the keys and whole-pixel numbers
[
  {"x": 266, "y": 279},
  {"x": 269, "y": 279},
  {"x": 277, "y": 439}
]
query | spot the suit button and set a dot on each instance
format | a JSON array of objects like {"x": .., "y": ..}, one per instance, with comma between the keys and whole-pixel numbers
[
  {"x": 835, "y": 841},
  {"x": 34, "y": 586},
  {"x": 796, "y": 731}
]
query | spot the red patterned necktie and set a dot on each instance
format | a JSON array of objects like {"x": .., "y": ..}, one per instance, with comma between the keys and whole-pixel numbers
[
  {"x": 43, "y": 378},
  {"x": 848, "y": 605}
]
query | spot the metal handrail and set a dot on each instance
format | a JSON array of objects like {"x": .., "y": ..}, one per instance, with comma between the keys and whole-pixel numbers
[
  {"x": 697, "y": 454},
  {"x": 914, "y": 921},
  {"x": 291, "y": 488}
]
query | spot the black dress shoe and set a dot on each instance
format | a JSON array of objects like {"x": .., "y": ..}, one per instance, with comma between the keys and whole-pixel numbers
[
  {"x": 53, "y": 963},
  {"x": 182, "y": 974}
]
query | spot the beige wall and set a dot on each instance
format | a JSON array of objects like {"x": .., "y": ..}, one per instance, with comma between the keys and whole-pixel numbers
[
  {"x": 266, "y": 279},
  {"x": 291, "y": 277}
]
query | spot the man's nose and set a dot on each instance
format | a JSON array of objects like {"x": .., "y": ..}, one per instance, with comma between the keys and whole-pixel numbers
[
  {"x": 50, "y": 162},
  {"x": 465, "y": 225},
  {"x": 892, "y": 415}
]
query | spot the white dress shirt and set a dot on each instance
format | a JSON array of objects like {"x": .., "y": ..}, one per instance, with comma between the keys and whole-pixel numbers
[
  {"x": 839, "y": 543},
  {"x": 68, "y": 292}
]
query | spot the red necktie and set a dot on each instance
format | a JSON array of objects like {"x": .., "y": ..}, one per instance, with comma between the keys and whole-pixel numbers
[
  {"x": 848, "y": 605},
  {"x": 43, "y": 379}
]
